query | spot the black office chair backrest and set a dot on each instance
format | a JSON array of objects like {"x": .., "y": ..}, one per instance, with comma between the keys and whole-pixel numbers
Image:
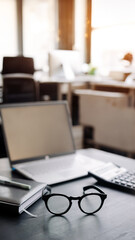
[
  {"x": 19, "y": 64},
  {"x": 18, "y": 89}
]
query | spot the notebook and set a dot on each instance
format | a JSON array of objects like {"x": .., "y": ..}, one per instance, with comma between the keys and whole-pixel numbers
[
  {"x": 17, "y": 200},
  {"x": 40, "y": 142}
]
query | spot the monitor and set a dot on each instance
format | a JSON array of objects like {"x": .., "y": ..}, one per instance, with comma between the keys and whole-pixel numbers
[{"x": 65, "y": 63}]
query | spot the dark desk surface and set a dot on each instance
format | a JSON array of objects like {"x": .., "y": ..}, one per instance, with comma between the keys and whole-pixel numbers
[{"x": 116, "y": 220}]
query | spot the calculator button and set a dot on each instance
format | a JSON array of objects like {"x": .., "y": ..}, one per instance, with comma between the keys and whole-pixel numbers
[
  {"x": 133, "y": 182},
  {"x": 123, "y": 182},
  {"x": 117, "y": 181},
  {"x": 129, "y": 185}
]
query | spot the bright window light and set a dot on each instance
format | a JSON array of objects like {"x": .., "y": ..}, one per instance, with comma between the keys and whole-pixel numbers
[
  {"x": 113, "y": 34},
  {"x": 8, "y": 29},
  {"x": 39, "y": 29}
]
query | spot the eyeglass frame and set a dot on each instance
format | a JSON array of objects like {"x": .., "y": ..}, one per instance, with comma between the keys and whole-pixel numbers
[{"x": 48, "y": 194}]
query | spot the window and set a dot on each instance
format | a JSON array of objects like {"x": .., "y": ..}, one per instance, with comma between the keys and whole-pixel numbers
[
  {"x": 113, "y": 32},
  {"x": 80, "y": 22},
  {"x": 30, "y": 27},
  {"x": 39, "y": 29},
  {"x": 8, "y": 29}
]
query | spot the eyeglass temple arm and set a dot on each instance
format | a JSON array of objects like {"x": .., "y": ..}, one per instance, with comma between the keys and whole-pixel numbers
[
  {"x": 47, "y": 190},
  {"x": 93, "y": 187}
]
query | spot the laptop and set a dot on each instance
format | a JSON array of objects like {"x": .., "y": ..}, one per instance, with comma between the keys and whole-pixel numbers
[{"x": 40, "y": 142}]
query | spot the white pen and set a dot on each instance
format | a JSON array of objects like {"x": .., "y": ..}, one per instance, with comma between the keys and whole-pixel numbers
[{"x": 7, "y": 182}]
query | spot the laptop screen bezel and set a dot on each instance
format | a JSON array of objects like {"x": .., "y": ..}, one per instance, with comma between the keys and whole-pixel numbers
[{"x": 14, "y": 105}]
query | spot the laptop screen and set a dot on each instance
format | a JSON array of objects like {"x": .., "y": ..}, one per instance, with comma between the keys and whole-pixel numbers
[{"x": 36, "y": 130}]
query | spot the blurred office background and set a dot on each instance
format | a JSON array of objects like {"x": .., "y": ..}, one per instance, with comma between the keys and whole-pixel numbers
[{"x": 102, "y": 32}]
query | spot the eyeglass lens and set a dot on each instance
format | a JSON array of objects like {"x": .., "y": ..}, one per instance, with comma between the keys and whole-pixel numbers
[
  {"x": 58, "y": 204},
  {"x": 90, "y": 203}
]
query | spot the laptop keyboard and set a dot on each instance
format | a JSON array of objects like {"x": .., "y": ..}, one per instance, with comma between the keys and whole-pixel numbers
[
  {"x": 54, "y": 170},
  {"x": 44, "y": 166}
]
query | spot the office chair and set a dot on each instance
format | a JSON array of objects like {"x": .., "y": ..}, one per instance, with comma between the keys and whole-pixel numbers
[
  {"x": 18, "y": 89},
  {"x": 18, "y": 64},
  {"x": 18, "y": 82}
]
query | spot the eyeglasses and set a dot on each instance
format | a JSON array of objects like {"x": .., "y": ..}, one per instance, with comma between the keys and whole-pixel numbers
[{"x": 59, "y": 204}]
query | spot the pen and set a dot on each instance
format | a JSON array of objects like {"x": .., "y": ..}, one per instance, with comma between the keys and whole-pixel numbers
[{"x": 7, "y": 182}]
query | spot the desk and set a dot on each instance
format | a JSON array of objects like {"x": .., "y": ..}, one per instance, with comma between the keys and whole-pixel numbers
[
  {"x": 89, "y": 81},
  {"x": 52, "y": 87},
  {"x": 64, "y": 85},
  {"x": 114, "y": 221}
]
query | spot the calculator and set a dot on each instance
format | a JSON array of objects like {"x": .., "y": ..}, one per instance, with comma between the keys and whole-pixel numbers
[{"x": 114, "y": 176}]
